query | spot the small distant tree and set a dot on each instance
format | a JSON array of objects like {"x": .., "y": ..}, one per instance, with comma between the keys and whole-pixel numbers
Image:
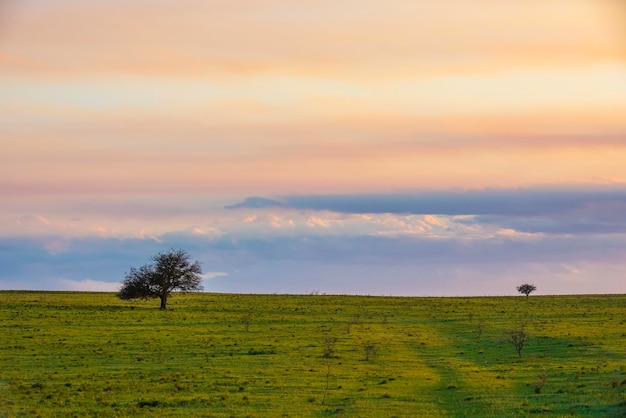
[
  {"x": 171, "y": 270},
  {"x": 517, "y": 337},
  {"x": 370, "y": 351},
  {"x": 526, "y": 289},
  {"x": 329, "y": 352}
]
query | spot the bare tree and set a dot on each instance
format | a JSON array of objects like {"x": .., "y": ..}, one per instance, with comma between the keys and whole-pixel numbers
[
  {"x": 171, "y": 270},
  {"x": 526, "y": 289},
  {"x": 329, "y": 346},
  {"x": 329, "y": 352},
  {"x": 370, "y": 351},
  {"x": 517, "y": 337}
]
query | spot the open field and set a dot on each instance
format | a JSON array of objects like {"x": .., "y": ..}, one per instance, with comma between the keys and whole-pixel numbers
[{"x": 222, "y": 355}]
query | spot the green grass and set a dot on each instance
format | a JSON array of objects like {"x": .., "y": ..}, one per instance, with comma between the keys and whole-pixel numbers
[{"x": 218, "y": 355}]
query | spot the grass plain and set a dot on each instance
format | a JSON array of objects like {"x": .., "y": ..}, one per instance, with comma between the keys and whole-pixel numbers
[{"x": 226, "y": 355}]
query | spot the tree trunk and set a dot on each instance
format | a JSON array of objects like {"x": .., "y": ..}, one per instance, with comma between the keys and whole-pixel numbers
[{"x": 163, "y": 302}]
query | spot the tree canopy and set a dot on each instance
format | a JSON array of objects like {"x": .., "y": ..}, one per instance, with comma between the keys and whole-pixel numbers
[
  {"x": 526, "y": 289},
  {"x": 170, "y": 270}
]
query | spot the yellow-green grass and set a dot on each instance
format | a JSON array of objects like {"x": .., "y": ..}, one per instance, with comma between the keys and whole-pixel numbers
[{"x": 223, "y": 355}]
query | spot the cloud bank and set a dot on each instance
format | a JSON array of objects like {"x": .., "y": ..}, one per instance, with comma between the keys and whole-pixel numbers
[
  {"x": 549, "y": 209},
  {"x": 535, "y": 201}
]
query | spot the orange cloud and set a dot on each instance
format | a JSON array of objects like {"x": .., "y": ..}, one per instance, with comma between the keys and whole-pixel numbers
[{"x": 349, "y": 40}]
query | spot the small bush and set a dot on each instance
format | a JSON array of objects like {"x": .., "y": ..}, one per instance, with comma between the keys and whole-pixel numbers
[
  {"x": 540, "y": 383},
  {"x": 143, "y": 404},
  {"x": 370, "y": 351}
]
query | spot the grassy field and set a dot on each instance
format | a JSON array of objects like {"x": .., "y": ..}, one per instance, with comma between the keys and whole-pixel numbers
[{"x": 90, "y": 354}]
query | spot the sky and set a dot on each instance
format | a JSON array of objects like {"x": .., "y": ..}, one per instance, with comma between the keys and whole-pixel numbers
[{"x": 397, "y": 147}]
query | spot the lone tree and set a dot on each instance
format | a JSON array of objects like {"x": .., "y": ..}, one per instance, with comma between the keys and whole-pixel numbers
[
  {"x": 526, "y": 289},
  {"x": 171, "y": 270}
]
